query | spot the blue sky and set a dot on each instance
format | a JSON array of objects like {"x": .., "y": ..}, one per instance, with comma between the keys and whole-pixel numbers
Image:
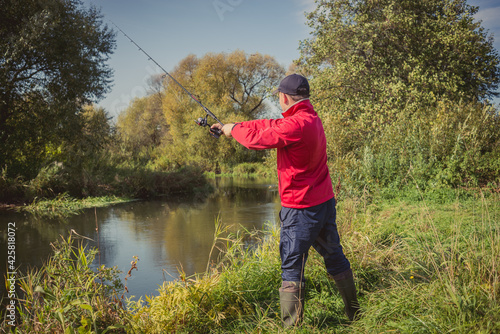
[{"x": 170, "y": 30}]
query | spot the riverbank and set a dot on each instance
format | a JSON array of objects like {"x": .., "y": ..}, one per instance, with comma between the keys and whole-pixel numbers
[
  {"x": 153, "y": 185},
  {"x": 54, "y": 194},
  {"x": 64, "y": 205},
  {"x": 423, "y": 263}
]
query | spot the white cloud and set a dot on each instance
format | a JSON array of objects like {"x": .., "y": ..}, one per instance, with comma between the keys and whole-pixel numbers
[
  {"x": 304, "y": 6},
  {"x": 490, "y": 18},
  {"x": 491, "y": 23},
  {"x": 307, "y": 5}
]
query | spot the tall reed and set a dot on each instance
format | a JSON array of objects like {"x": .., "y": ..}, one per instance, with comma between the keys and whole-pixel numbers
[{"x": 66, "y": 296}]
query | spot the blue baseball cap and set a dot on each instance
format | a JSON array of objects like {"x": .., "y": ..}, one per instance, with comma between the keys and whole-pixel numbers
[{"x": 294, "y": 84}]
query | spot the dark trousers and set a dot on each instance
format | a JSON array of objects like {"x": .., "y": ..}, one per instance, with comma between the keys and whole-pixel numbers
[{"x": 303, "y": 228}]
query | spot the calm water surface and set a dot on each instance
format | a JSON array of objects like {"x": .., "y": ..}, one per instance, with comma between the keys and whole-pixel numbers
[{"x": 164, "y": 234}]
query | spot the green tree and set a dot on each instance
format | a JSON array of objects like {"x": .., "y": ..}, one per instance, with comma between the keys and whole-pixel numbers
[
  {"x": 88, "y": 156},
  {"x": 53, "y": 57},
  {"x": 382, "y": 72},
  {"x": 142, "y": 126},
  {"x": 388, "y": 50}
]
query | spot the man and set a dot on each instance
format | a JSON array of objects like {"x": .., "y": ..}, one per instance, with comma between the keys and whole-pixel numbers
[{"x": 308, "y": 204}]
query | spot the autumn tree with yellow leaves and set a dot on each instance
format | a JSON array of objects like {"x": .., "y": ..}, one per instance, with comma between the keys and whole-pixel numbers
[{"x": 234, "y": 86}]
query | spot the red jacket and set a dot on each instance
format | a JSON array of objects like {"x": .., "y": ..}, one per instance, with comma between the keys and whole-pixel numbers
[{"x": 304, "y": 179}]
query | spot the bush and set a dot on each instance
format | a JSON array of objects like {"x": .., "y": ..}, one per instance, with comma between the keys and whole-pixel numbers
[
  {"x": 445, "y": 146},
  {"x": 252, "y": 169},
  {"x": 12, "y": 190}
]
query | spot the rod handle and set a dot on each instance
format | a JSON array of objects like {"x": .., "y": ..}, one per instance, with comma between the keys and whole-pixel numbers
[{"x": 216, "y": 133}]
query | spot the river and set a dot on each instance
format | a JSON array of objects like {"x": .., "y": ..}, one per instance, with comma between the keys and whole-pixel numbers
[{"x": 164, "y": 234}]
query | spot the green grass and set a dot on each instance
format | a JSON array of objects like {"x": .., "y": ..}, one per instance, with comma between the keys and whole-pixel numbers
[
  {"x": 427, "y": 267},
  {"x": 66, "y": 296},
  {"x": 246, "y": 169},
  {"x": 64, "y": 205},
  {"x": 421, "y": 266}
]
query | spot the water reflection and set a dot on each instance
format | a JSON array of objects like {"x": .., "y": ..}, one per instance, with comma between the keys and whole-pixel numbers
[{"x": 165, "y": 235}]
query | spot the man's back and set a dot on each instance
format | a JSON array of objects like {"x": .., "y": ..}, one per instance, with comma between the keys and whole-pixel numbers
[{"x": 304, "y": 179}]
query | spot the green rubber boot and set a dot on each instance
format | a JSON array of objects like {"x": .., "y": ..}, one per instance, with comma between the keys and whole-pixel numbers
[
  {"x": 347, "y": 289},
  {"x": 292, "y": 303}
]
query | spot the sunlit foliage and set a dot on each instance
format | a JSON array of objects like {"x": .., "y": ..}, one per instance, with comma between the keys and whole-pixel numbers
[{"x": 402, "y": 86}]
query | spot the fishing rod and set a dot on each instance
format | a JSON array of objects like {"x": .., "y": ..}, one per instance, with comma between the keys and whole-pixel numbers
[{"x": 202, "y": 121}]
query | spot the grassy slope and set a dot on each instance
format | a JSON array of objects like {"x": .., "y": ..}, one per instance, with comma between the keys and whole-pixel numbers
[{"x": 421, "y": 265}]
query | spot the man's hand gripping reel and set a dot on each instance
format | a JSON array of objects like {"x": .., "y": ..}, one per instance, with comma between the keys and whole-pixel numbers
[{"x": 202, "y": 121}]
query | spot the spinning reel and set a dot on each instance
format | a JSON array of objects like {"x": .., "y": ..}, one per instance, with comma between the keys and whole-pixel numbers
[{"x": 202, "y": 121}]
